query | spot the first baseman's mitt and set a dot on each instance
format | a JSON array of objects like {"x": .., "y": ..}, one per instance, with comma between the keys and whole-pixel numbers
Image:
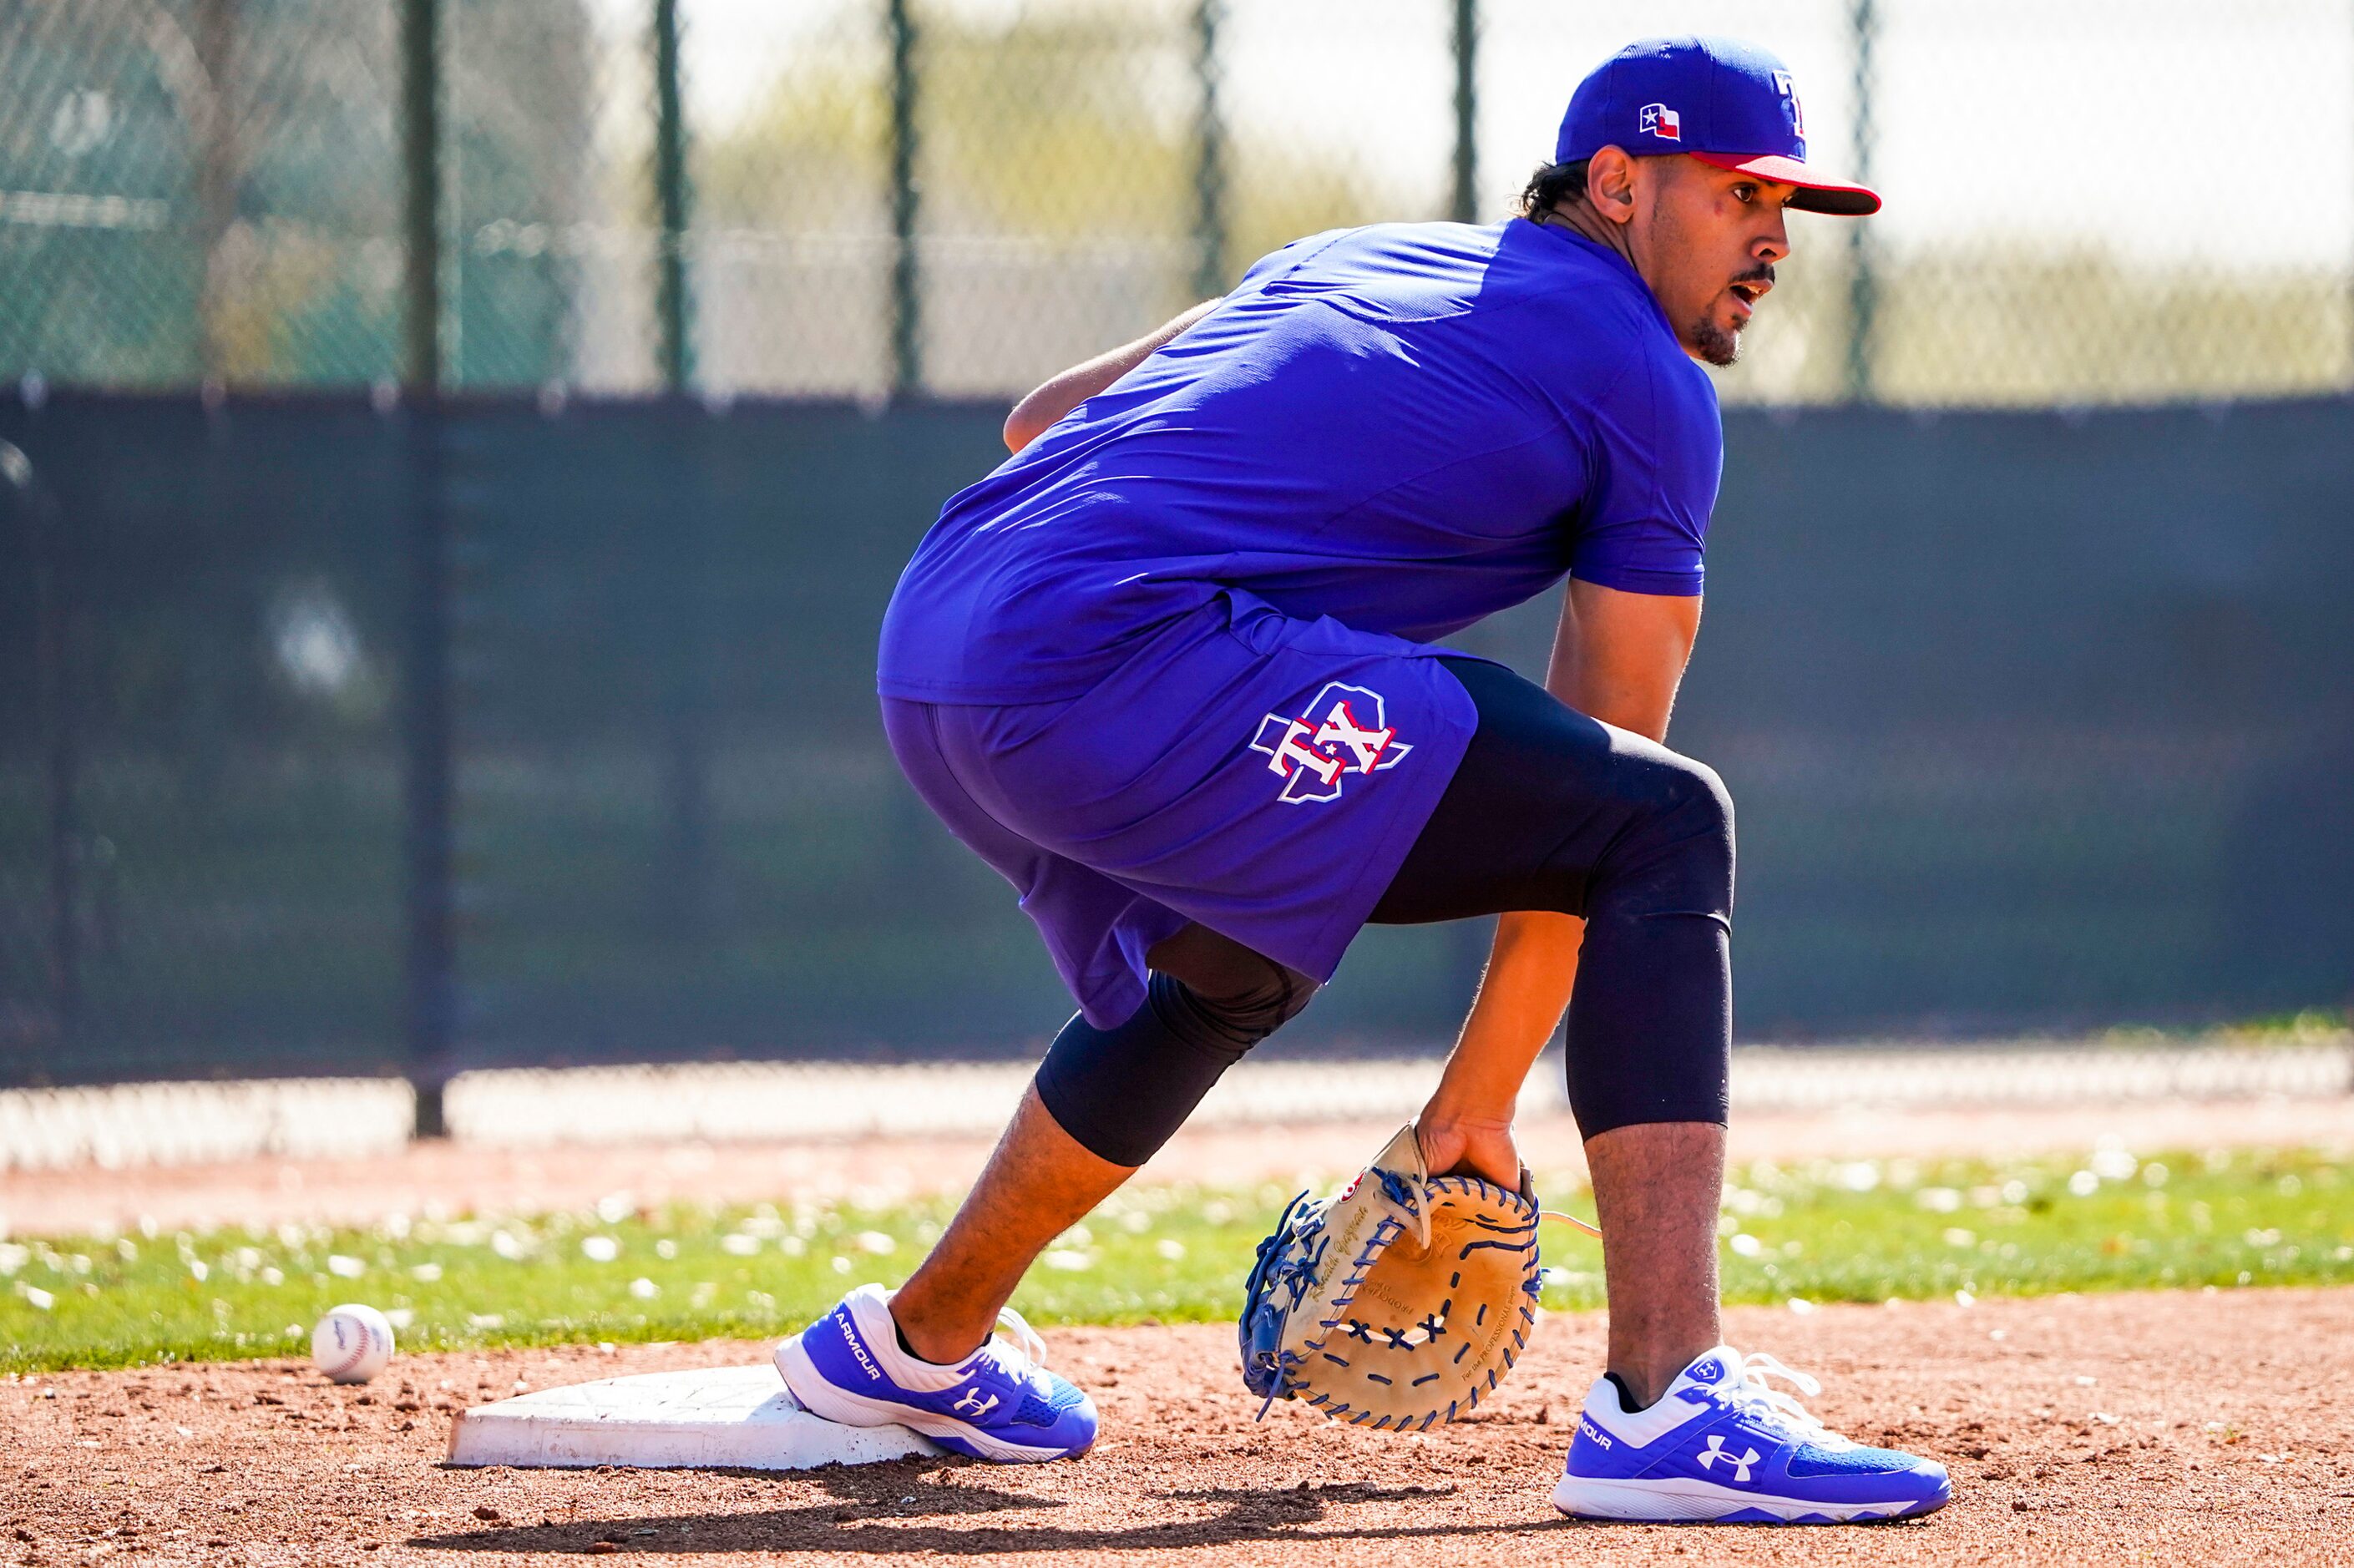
[{"x": 1397, "y": 1304}]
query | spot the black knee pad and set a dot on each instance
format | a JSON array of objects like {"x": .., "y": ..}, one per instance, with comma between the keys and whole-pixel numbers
[
  {"x": 1240, "y": 1018},
  {"x": 1677, "y": 844},
  {"x": 1698, "y": 795},
  {"x": 1701, "y": 809},
  {"x": 1122, "y": 1092},
  {"x": 1656, "y": 963}
]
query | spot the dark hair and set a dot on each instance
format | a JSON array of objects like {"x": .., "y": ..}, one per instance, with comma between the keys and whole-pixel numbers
[{"x": 1551, "y": 184}]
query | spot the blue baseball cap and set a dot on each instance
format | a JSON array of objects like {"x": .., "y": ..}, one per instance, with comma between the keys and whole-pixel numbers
[{"x": 1723, "y": 102}]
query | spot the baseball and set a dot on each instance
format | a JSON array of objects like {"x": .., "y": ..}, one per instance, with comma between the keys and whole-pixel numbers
[{"x": 352, "y": 1343}]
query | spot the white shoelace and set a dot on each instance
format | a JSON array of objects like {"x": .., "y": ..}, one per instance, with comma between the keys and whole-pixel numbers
[
  {"x": 1761, "y": 1402},
  {"x": 1024, "y": 1344}
]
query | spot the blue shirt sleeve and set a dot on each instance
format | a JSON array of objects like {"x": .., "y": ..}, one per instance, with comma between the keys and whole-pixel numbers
[{"x": 1656, "y": 453}]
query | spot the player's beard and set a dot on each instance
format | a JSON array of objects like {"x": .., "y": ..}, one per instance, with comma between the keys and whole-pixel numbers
[{"x": 1718, "y": 346}]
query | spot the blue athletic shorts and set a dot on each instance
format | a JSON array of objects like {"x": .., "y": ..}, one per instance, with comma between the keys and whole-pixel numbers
[{"x": 1262, "y": 775}]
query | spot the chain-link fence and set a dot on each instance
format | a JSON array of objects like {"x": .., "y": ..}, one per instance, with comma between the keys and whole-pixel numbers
[
  {"x": 358, "y": 731},
  {"x": 2089, "y": 200}
]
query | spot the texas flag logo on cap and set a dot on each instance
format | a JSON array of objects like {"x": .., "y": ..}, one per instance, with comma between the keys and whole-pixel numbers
[{"x": 1658, "y": 119}]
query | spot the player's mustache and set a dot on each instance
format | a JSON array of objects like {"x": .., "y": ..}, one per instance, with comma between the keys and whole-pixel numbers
[{"x": 1761, "y": 274}]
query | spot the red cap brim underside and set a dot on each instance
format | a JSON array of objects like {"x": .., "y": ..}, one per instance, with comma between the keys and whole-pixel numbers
[{"x": 1815, "y": 193}]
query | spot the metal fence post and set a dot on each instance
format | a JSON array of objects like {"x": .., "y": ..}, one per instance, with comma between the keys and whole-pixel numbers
[
  {"x": 1209, "y": 158},
  {"x": 906, "y": 279},
  {"x": 432, "y": 985},
  {"x": 420, "y": 149},
  {"x": 57, "y": 633},
  {"x": 217, "y": 176},
  {"x": 1465, "y": 207},
  {"x": 36, "y": 513},
  {"x": 671, "y": 193},
  {"x": 682, "y": 891},
  {"x": 686, "y": 893},
  {"x": 1862, "y": 278}
]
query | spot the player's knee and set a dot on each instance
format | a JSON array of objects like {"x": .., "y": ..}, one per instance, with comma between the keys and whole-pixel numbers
[
  {"x": 1677, "y": 847},
  {"x": 1122, "y": 1092},
  {"x": 1220, "y": 996},
  {"x": 1232, "y": 1019},
  {"x": 1697, "y": 799},
  {"x": 1696, "y": 820}
]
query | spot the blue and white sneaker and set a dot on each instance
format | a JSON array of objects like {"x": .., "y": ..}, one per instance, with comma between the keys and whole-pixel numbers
[
  {"x": 999, "y": 1403},
  {"x": 1720, "y": 1446}
]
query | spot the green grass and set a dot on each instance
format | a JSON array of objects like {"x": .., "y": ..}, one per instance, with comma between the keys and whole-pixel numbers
[{"x": 1832, "y": 1231}]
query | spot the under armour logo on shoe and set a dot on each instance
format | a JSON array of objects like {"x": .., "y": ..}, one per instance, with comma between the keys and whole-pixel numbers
[
  {"x": 973, "y": 1405},
  {"x": 1716, "y": 1451}
]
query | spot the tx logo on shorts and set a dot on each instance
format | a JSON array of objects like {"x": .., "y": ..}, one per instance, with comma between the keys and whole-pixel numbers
[{"x": 1346, "y": 731}]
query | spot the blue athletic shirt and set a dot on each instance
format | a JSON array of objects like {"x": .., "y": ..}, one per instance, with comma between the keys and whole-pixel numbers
[{"x": 1404, "y": 427}]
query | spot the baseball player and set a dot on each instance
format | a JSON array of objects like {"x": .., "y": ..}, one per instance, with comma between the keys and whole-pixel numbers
[{"x": 1171, "y": 670}]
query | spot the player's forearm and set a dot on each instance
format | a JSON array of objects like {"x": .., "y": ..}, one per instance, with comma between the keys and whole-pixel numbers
[
  {"x": 1521, "y": 1000},
  {"x": 1619, "y": 658},
  {"x": 1038, "y": 410}
]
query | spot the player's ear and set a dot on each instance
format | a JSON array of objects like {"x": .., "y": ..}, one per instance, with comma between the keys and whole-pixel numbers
[{"x": 1610, "y": 185}]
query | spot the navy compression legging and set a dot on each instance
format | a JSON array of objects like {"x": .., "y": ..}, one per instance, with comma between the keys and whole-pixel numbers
[{"x": 1549, "y": 810}]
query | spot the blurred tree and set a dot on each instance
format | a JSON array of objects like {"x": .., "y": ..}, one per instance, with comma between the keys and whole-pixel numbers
[
  {"x": 210, "y": 187},
  {"x": 1057, "y": 151},
  {"x": 194, "y": 188}
]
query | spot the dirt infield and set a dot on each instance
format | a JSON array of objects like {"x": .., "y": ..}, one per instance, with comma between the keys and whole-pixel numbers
[
  {"x": 2208, "y": 1428},
  {"x": 457, "y": 1178}
]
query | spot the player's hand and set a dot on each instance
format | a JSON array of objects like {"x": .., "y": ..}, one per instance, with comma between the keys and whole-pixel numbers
[{"x": 1455, "y": 1144}]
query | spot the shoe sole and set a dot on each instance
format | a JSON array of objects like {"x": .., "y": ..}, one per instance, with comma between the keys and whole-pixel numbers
[
  {"x": 823, "y": 1399},
  {"x": 1704, "y": 1502}
]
